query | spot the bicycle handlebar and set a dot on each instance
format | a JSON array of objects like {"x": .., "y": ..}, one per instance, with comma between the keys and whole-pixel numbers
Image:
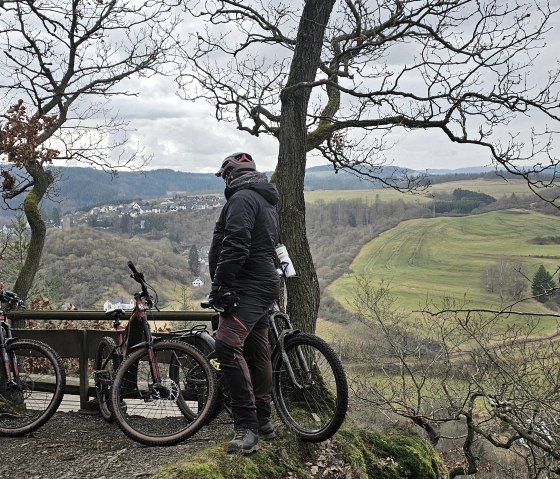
[
  {"x": 130, "y": 264},
  {"x": 207, "y": 305},
  {"x": 138, "y": 277},
  {"x": 12, "y": 299}
]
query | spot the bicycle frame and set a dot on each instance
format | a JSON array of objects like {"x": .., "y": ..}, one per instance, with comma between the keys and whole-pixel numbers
[
  {"x": 138, "y": 316},
  {"x": 28, "y": 367},
  {"x": 9, "y": 362},
  {"x": 280, "y": 329}
]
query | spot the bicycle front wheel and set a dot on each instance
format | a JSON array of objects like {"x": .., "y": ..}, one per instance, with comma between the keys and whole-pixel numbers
[
  {"x": 35, "y": 390},
  {"x": 106, "y": 365},
  {"x": 310, "y": 391},
  {"x": 150, "y": 412}
]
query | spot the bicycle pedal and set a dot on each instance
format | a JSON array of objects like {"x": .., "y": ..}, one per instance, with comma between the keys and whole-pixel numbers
[{"x": 215, "y": 364}]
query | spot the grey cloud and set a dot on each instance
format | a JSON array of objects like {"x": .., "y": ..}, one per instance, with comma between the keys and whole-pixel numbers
[{"x": 199, "y": 143}]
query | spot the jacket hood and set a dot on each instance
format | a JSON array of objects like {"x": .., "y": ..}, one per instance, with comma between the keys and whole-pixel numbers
[{"x": 255, "y": 181}]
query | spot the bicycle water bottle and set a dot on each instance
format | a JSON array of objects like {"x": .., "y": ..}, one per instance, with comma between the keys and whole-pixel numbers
[{"x": 286, "y": 266}]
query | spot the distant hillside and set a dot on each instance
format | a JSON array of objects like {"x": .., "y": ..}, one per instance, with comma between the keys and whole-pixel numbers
[
  {"x": 469, "y": 170},
  {"x": 79, "y": 188},
  {"x": 325, "y": 178},
  {"x": 84, "y": 187}
]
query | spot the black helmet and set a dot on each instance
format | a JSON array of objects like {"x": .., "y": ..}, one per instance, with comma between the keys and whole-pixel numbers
[{"x": 235, "y": 164}]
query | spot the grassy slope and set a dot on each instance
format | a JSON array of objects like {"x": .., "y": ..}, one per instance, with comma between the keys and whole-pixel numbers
[
  {"x": 446, "y": 256},
  {"x": 496, "y": 188}
]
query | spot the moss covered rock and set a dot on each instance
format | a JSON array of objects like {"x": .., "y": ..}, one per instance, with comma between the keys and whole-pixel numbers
[
  {"x": 273, "y": 460},
  {"x": 390, "y": 457},
  {"x": 353, "y": 453}
]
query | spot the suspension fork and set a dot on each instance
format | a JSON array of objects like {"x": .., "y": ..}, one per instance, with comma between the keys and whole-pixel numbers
[
  {"x": 154, "y": 367},
  {"x": 280, "y": 336},
  {"x": 299, "y": 354},
  {"x": 9, "y": 360}
]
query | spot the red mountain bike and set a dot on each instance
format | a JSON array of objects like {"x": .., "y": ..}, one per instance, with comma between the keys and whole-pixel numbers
[{"x": 145, "y": 383}]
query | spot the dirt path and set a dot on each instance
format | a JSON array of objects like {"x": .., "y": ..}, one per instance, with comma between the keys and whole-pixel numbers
[{"x": 75, "y": 445}]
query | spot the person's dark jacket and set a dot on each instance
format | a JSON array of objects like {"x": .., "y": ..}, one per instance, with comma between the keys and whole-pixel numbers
[{"x": 242, "y": 254}]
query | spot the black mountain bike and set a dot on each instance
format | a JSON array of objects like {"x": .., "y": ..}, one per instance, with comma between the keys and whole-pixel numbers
[
  {"x": 32, "y": 378},
  {"x": 146, "y": 383},
  {"x": 309, "y": 387}
]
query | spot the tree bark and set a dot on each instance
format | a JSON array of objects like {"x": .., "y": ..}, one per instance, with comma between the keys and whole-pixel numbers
[
  {"x": 303, "y": 291},
  {"x": 42, "y": 179}
]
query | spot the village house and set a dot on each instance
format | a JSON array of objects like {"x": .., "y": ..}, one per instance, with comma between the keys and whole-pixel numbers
[
  {"x": 197, "y": 283},
  {"x": 118, "y": 303}
]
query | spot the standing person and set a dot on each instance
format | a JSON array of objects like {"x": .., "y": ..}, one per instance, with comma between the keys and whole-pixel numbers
[{"x": 245, "y": 284}]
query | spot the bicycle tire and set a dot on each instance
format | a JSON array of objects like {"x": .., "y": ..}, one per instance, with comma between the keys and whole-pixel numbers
[
  {"x": 105, "y": 348},
  {"x": 316, "y": 410},
  {"x": 151, "y": 415},
  {"x": 209, "y": 352},
  {"x": 42, "y": 379}
]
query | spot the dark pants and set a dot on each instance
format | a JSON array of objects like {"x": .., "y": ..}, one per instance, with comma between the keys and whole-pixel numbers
[{"x": 243, "y": 351}]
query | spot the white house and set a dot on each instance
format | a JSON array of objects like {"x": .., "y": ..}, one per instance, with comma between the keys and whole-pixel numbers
[
  {"x": 109, "y": 306},
  {"x": 197, "y": 283}
]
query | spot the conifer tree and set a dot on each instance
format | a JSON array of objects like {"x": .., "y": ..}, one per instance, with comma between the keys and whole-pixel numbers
[
  {"x": 543, "y": 284},
  {"x": 193, "y": 260}
]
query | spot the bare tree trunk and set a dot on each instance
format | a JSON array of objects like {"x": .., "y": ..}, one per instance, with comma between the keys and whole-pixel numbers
[
  {"x": 303, "y": 291},
  {"x": 41, "y": 181}
]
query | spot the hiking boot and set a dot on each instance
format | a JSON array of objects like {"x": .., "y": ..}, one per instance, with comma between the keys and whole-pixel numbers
[
  {"x": 245, "y": 441},
  {"x": 266, "y": 431}
]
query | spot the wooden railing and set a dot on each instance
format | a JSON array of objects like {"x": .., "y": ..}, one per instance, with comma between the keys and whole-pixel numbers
[{"x": 82, "y": 343}]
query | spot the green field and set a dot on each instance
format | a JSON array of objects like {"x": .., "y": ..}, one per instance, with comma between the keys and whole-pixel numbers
[
  {"x": 446, "y": 256},
  {"x": 496, "y": 188}
]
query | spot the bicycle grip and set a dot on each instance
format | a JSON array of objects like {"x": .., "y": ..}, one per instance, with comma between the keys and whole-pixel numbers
[
  {"x": 132, "y": 267},
  {"x": 207, "y": 305}
]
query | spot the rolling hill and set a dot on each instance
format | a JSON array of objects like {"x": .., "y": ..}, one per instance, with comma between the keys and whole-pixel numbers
[{"x": 431, "y": 258}]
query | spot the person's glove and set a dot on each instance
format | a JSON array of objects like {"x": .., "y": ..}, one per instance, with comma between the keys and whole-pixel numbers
[{"x": 222, "y": 299}]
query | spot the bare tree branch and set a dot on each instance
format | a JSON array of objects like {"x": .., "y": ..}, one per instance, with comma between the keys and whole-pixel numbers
[
  {"x": 498, "y": 380},
  {"x": 468, "y": 72}
]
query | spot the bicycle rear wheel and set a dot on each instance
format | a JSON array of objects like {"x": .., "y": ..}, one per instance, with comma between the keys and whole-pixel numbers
[
  {"x": 106, "y": 365},
  {"x": 150, "y": 413},
  {"x": 34, "y": 395},
  {"x": 312, "y": 401}
]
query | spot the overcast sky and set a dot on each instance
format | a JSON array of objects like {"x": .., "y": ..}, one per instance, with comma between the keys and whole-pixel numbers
[{"x": 185, "y": 136}]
